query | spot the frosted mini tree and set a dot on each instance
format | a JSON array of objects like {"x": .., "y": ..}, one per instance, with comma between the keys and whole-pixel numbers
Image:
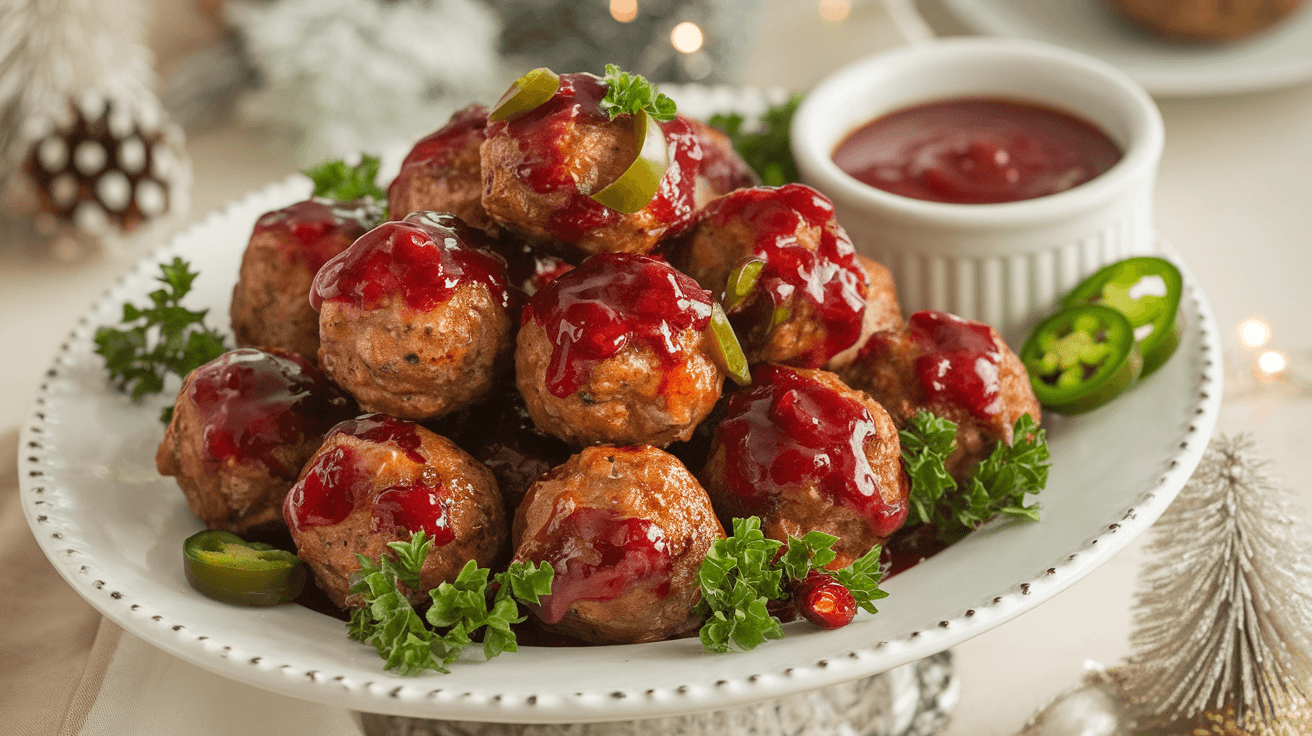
[{"x": 1224, "y": 611}]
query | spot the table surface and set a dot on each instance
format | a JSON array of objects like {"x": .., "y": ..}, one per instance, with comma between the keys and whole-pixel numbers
[{"x": 1232, "y": 198}]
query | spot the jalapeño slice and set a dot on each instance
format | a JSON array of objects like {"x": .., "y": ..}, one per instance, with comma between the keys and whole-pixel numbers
[
  {"x": 726, "y": 350},
  {"x": 525, "y": 94},
  {"x": 227, "y": 568},
  {"x": 1081, "y": 358},
  {"x": 635, "y": 188},
  {"x": 1147, "y": 291}
]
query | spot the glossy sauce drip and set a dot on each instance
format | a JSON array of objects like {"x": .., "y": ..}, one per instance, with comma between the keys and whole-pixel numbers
[
  {"x": 252, "y": 402},
  {"x": 415, "y": 507},
  {"x": 423, "y": 259},
  {"x": 613, "y": 300},
  {"x": 976, "y": 151},
  {"x": 438, "y": 149},
  {"x": 546, "y": 135},
  {"x": 328, "y": 491},
  {"x": 828, "y": 278},
  {"x": 957, "y": 362},
  {"x": 788, "y": 431},
  {"x": 317, "y": 229},
  {"x": 598, "y": 555},
  {"x": 384, "y": 429}
]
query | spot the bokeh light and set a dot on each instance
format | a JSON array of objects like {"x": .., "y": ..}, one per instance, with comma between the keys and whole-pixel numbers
[
  {"x": 687, "y": 37},
  {"x": 1254, "y": 332},
  {"x": 624, "y": 10},
  {"x": 1271, "y": 364},
  {"x": 835, "y": 10}
]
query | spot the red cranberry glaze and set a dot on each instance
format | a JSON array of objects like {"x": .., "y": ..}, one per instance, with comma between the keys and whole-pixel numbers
[
  {"x": 824, "y": 601},
  {"x": 252, "y": 402},
  {"x": 958, "y": 362},
  {"x": 598, "y": 555},
  {"x": 435, "y": 151},
  {"x": 544, "y": 163},
  {"x": 416, "y": 507},
  {"x": 384, "y": 429},
  {"x": 828, "y": 278},
  {"x": 787, "y": 431},
  {"x": 423, "y": 259},
  {"x": 318, "y": 229},
  {"x": 612, "y": 300},
  {"x": 328, "y": 491}
]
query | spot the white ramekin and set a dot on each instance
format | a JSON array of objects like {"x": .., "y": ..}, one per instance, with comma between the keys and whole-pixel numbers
[{"x": 1005, "y": 264}]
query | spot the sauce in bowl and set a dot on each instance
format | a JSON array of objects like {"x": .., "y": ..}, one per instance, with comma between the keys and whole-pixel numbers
[{"x": 976, "y": 151}]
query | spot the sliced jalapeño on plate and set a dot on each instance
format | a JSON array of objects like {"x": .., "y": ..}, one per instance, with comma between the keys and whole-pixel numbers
[
  {"x": 1147, "y": 290},
  {"x": 227, "y": 568},
  {"x": 1081, "y": 358}
]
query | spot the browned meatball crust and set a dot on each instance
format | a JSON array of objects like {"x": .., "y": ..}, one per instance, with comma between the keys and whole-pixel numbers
[
  {"x": 804, "y": 452},
  {"x": 934, "y": 363},
  {"x": 243, "y": 426},
  {"x": 271, "y": 301},
  {"x": 442, "y": 172},
  {"x": 626, "y": 530},
  {"x": 414, "y": 321},
  {"x": 722, "y": 170},
  {"x": 1205, "y": 20},
  {"x": 882, "y": 310},
  {"x": 378, "y": 479}
]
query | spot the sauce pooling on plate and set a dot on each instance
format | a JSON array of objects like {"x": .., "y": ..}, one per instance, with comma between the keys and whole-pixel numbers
[{"x": 976, "y": 151}]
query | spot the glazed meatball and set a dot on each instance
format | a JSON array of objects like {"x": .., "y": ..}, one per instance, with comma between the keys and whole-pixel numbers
[
  {"x": 804, "y": 452},
  {"x": 807, "y": 302},
  {"x": 882, "y": 311},
  {"x": 378, "y": 479},
  {"x": 243, "y": 426},
  {"x": 958, "y": 369},
  {"x": 415, "y": 318},
  {"x": 540, "y": 168},
  {"x": 442, "y": 173},
  {"x": 1205, "y": 20},
  {"x": 615, "y": 352},
  {"x": 721, "y": 169},
  {"x": 626, "y": 530},
  {"x": 270, "y": 303}
]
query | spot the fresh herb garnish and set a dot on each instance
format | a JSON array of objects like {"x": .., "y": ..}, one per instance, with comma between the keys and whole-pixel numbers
[
  {"x": 767, "y": 149},
  {"x": 459, "y": 609},
  {"x": 744, "y": 573},
  {"x": 630, "y": 93},
  {"x": 999, "y": 485},
  {"x": 336, "y": 180},
  {"x": 160, "y": 339}
]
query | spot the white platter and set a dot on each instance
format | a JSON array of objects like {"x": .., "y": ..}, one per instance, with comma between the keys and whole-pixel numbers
[
  {"x": 1277, "y": 57},
  {"x": 113, "y": 528}
]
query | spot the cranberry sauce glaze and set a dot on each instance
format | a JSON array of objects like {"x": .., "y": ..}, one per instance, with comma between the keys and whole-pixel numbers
[
  {"x": 317, "y": 229},
  {"x": 252, "y": 402},
  {"x": 435, "y": 151},
  {"x": 787, "y": 431},
  {"x": 598, "y": 555},
  {"x": 544, "y": 134},
  {"x": 423, "y": 259},
  {"x": 827, "y": 278},
  {"x": 957, "y": 362},
  {"x": 976, "y": 151},
  {"x": 339, "y": 480},
  {"x": 610, "y": 301}
]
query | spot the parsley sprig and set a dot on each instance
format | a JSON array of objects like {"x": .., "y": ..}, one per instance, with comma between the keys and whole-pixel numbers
[
  {"x": 159, "y": 339},
  {"x": 336, "y": 180},
  {"x": 999, "y": 485},
  {"x": 412, "y": 645},
  {"x": 767, "y": 148},
  {"x": 743, "y": 574},
  {"x": 630, "y": 93}
]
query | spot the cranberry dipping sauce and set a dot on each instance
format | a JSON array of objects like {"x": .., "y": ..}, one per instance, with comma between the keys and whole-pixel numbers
[{"x": 990, "y": 175}]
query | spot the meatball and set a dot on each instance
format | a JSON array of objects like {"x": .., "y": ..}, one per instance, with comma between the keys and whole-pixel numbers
[
  {"x": 1205, "y": 20},
  {"x": 626, "y": 530},
  {"x": 270, "y": 303},
  {"x": 882, "y": 311},
  {"x": 243, "y": 426},
  {"x": 616, "y": 352},
  {"x": 540, "y": 168},
  {"x": 415, "y": 318},
  {"x": 808, "y": 298},
  {"x": 958, "y": 369},
  {"x": 804, "y": 452},
  {"x": 721, "y": 170},
  {"x": 442, "y": 174},
  {"x": 378, "y": 479}
]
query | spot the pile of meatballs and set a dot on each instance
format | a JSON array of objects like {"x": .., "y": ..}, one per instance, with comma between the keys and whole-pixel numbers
[{"x": 527, "y": 375}]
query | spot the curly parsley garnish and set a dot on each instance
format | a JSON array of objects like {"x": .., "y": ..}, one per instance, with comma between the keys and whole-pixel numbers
[
  {"x": 744, "y": 573},
  {"x": 630, "y": 93},
  {"x": 411, "y": 645},
  {"x": 767, "y": 149},
  {"x": 336, "y": 180},
  {"x": 160, "y": 339},
  {"x": 999, "y": 485}
]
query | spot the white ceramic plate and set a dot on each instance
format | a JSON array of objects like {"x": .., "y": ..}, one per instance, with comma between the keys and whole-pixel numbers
[
  {"x": 1278, "y": 57},
  {"x": 114, "y": 529}
]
